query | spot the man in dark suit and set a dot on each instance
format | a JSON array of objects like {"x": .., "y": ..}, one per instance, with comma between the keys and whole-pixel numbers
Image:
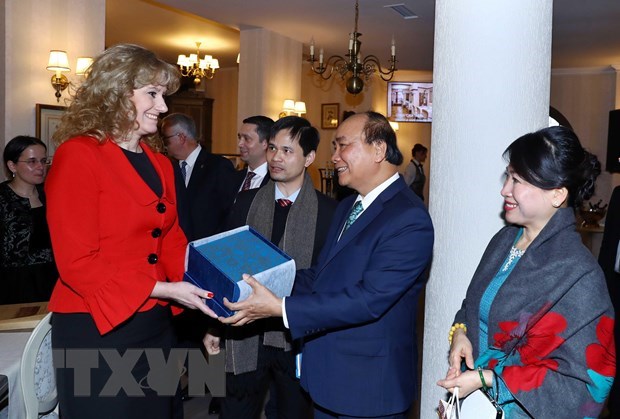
[
  {"x": 295, "y": 217},
  {"x": 609, "y": 260},
  {"x": 205, "y": 190},
  {"x": 204, "y": 181},
  {"x": 414, "y": 173},
  {"x": 355, "y": 308},
  {"x": 252, "y": 141}
]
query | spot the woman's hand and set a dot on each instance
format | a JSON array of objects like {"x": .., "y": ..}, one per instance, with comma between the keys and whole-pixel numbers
[
  {"x": 211, "y": 343},
  {"x": 467, "y": 382},
  {"x": 184, "y": 293},
  {"x": 460, "y": 348}
]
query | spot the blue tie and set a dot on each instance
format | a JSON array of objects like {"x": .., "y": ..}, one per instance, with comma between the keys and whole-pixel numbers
[
  {"x": 184, "y": 170},
  {"x": 355, "y": 212}
]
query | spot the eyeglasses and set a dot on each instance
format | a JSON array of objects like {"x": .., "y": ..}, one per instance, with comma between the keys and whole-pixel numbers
[
  {"x": 170, "y": 136},
  {"x": 33, "y": 162}
]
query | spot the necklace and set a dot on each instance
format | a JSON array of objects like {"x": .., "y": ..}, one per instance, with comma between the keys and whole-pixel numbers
[{"x": 514, "y": 254}]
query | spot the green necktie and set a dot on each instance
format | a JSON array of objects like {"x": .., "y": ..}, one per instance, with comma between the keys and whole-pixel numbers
[{"x": 355, "y": 212}]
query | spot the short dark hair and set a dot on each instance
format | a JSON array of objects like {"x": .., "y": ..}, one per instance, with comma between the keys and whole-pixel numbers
[
  {"x": 263, "y": 126},
  {"x": 418, "y": 148},
  {"x": 184, "y": 122},
  {"x": 378, "y": 129},
  {"x": 16, "y": 147},
  {"x": 300, "y": 130},
  {"x": 554, "y": 158}
]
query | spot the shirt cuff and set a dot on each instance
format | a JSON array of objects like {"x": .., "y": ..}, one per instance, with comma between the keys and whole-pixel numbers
[{"x": 284, "y": 317}]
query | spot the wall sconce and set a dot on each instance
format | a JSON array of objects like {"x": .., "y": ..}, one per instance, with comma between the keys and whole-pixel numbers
[
  {"x": 394, "y": 125},
  {"x": 300, "y": 108},
  {"x": 82, "y": 65},
  {"x": 59, "y": 62},
  {"x": 290, "y": 107}
]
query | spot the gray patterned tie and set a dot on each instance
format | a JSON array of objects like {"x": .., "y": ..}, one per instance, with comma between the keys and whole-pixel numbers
[
  {"x": 355, "y": 212},
  {"x": 184, "y": 170}
]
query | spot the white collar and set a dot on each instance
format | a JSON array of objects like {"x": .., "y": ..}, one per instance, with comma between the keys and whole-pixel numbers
[
  {"x": 193, "y": 156},
  {"x": 372, "y": 195}
]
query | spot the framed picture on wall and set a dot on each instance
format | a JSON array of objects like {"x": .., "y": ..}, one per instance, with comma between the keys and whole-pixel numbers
[
  {"x": 410, "y": 102},
  {"x": 329, "y": 115},
  {"x": 47, "y": 121}
]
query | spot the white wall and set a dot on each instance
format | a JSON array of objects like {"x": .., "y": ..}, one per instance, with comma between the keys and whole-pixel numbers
[{"x": 32, "y": 29}]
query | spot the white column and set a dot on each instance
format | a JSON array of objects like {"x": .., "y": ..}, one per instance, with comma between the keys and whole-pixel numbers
[
  {"x": 491, "y": 77},
  {"x": 269, "y": 72}
]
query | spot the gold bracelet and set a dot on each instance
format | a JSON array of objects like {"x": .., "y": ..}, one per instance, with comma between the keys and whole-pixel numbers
[{"x": 454, "y": 328}]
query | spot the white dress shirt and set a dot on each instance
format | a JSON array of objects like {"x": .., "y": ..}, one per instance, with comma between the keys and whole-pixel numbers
[
  {"x": 191, "y": 162},
  {"x": 366, "y": 201},
  {"x": 259, "y": 174}
]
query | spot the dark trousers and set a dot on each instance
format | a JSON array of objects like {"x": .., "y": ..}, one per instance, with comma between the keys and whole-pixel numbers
[
  {"x": 321, "y": 413},
  {"x": 245, "y": 393}
]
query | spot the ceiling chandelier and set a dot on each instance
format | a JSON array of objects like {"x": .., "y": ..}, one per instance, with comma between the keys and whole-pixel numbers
[
  {"x": 353, "y": 63},
  {"x": 194, "y": 66}
]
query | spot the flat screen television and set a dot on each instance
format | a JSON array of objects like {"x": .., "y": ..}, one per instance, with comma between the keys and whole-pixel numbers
[{"x": 410, "y": 101}]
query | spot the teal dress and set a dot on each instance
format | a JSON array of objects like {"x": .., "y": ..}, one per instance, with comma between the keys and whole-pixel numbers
[{"x": 499, "y": 392}]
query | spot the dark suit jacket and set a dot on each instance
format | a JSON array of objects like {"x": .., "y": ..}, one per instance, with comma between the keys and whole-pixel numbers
[
  {"x": 607, "y": 259},
  {"x": 326, "y": 208},
  {"x": 356, "y": 308},
  {"x": 204, "y": 204},
  {"x": 609, "y": 245},
  {"x": 240, "y": 177}
]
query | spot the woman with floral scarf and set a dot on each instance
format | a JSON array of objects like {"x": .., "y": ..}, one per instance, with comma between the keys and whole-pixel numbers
[{"x": 536, "y": 327}]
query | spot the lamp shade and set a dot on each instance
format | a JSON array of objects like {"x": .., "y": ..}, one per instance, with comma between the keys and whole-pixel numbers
[
  {"x": 182, "y": 60},
  {"x": 288, "y": 105},
  {"x": 83, "y": 63},
  {"x": 58, "y": 61},
  {"x": 394, "y": 125},
  {"x": 300, "y": 107}
]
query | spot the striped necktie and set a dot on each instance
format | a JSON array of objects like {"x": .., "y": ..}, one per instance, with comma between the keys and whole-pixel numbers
[
  {"x": 283, "y": 202},
  {"x": 247, "y": 181}
]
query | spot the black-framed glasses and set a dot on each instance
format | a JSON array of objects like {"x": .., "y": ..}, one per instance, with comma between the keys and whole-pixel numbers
[{"x": 33, "y": 162}]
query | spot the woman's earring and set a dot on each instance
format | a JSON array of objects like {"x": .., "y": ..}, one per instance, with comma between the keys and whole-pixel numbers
[
  {"x": 13, "y": 174},
  {"x": 555, "y": 205}
]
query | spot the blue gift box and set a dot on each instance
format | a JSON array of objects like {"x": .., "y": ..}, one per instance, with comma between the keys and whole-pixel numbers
[{"x": 217, "y": 263}]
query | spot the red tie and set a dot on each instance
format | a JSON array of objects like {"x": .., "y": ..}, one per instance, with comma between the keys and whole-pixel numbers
[
  {"x": 247, "y": 181},
  {"x": 284, "y": 202}
]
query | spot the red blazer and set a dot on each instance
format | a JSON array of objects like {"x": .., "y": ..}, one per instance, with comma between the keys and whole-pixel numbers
[{"x": 112, "y": 236}]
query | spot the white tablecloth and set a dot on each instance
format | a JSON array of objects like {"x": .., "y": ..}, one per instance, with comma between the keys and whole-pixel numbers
[{"x": 11, "y": 348}]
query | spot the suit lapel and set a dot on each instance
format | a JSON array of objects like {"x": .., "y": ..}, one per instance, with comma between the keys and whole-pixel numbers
[
  {"x": 363, "y": 221},
  {"x": 197, "y": 172}
]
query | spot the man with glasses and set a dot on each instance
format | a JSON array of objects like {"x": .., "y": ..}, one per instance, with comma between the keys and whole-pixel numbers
[
  {"x": 204, "y": 181},
  {"x": 205, "y": 186}
]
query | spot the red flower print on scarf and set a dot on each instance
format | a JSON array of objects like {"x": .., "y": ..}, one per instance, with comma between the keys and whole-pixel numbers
[
  {"x": 601, "y": 357},
  {"x": 534, "y": 342}
]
